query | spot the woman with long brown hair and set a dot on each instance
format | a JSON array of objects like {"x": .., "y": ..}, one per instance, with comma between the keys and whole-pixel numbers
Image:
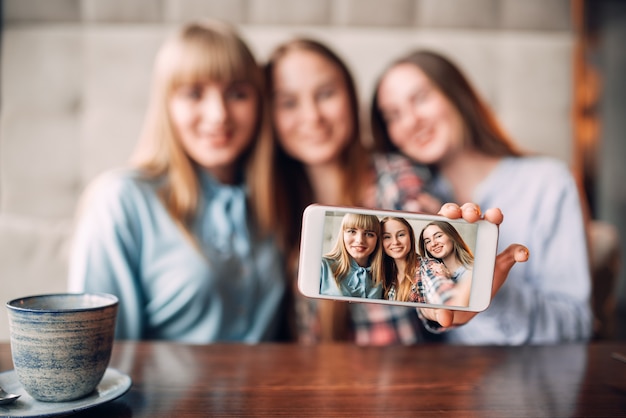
[
  {"x": 409, "y": 276},
  {"x": 425, "y": 108}
]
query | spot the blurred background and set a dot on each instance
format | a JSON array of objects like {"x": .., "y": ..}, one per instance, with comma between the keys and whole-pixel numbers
[{"x": 75, "y": 77}]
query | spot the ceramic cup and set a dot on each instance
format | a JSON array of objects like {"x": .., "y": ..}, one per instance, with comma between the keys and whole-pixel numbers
[{"x": 61, "y": 343}]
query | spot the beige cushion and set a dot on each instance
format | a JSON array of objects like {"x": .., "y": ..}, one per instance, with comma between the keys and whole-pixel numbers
[{"x": 33, "y": 259}]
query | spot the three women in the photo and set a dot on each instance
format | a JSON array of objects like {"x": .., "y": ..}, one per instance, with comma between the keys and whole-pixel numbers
[{"x": 379, "y": 259}]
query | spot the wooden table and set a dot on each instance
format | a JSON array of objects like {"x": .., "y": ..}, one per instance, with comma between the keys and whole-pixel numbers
[{"x": 174, "y": 380}]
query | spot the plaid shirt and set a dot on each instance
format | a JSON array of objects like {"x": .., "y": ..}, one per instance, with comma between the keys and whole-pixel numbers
[
  {"x": 398, "y": 183},
  {"x": 375, "y": 324},
  {"x": 433, "y": 282}
]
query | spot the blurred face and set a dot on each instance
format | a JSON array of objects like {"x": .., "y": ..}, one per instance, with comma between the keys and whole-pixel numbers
[
  {"x": 215, "y": 123},
  {"x": 437, "y": 243},
  {"x": 312, "y": 114},
  {"x": 360, "y": 244},
  {"x": 396, "y": 239},
  {"x": 420, "y": 120}
]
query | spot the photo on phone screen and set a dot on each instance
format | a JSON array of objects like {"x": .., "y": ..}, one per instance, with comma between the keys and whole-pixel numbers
[{"x": 396, "y": 257}]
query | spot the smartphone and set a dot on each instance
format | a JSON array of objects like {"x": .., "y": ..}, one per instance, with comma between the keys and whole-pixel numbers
[{"x": 355, "y": 254}]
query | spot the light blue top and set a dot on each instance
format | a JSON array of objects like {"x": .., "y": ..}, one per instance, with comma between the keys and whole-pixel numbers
[
  {"x": 458, "y": 273},
  {"x": 546, "y": 299},
  {"x": 126, "y": 244},
  {"x": 357, "y": 283}
]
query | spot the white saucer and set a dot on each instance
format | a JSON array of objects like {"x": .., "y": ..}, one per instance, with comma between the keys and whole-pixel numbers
[{"x": 113, "y": 385}]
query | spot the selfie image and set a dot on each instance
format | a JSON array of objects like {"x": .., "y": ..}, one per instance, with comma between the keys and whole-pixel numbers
[{"x": 397, "y": 258}]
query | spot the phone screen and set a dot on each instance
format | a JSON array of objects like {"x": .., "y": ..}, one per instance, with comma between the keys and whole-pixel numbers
[
  {"x": 429, "y": 239},
  {"x": 397, "y": 257}
]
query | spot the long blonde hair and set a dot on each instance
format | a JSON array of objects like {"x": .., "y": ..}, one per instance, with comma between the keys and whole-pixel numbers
[
  {"x": 390, "y": 270},
  {"x": 339, "y": 253},
  {"x": 199, "y": 52}
]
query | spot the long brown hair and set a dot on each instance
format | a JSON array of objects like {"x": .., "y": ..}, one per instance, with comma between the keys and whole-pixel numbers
[
  {"x": 291, "y": 191},
  {"x": 200, "y": 51},
  {"x": 461, "y": 250},
  {"x": 484, "y": 133},
  {"x": 390, "y": 270}
]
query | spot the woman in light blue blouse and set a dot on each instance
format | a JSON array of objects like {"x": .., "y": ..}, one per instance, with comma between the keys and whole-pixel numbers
[
  {"x": 175, "y": 236},
  {"x": 425, "y": 107},
  {"x": 318, "y": 157},
  {"x": 353, "y": 266}
]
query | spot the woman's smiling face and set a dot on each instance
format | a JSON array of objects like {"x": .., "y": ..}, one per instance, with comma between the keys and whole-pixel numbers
[
  {"x": 311, "y": 107},
  {"x": 420, "y": 120},
  {"x": 360, "y": 244},
  {"x": 215, "y": 123},
  {"x": 396, "y": 239},
  {"x": 437, "y": 243}
]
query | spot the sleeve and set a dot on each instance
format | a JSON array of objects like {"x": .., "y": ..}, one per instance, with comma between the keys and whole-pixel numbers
[
  {"x": 553, "y": 303},
  {"x": 105, "y": 252},
  {"x": 545, "y": 300},
  {"x": 437, "y": 289},
  {"x": 328, "y": 285},
  {"x": 436, "y": 282}
]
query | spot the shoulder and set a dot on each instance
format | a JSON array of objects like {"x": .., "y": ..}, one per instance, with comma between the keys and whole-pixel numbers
[
  {"x": 539, "y": 165},
  {"x": 542, "y": 190},
  {"x": 326, "y": 269},
  {"x": 537, "y": 174},
  {"x": 461, "y": 273},
  {"x": 118, "y": 180},
  {"x": 117, "y": 190},
  {"x": 327, "y": 263},
  {"x": 121, "y": 182}
]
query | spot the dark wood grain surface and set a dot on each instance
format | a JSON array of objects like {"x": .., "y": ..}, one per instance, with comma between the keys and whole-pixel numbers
[{"x": 174, "y": 380}]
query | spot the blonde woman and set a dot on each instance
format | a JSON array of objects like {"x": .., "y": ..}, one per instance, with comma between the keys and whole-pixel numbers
[
  {"x": 353, "y": 266},
  {"x": 174, "y": 236}
]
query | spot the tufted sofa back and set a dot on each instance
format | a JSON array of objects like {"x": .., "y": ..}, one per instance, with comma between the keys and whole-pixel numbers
[{"x": 74, "y": 87}]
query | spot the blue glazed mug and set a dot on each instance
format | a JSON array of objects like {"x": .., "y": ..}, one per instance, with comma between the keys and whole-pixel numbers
[{"x": 61, "y": 343}]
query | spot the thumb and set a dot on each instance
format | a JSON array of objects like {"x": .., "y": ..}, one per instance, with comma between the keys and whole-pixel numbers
[
  {"x": 445, "y": 317},
  {"x": 514, "y": 253}
]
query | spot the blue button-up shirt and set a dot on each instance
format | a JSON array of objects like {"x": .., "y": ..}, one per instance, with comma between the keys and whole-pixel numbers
[
  {"x": 357, "y": 283},
  {"x": 227, "y": 286}
]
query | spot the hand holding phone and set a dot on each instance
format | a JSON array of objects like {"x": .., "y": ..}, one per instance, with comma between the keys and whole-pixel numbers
[{"x": 400, "y": 258}]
